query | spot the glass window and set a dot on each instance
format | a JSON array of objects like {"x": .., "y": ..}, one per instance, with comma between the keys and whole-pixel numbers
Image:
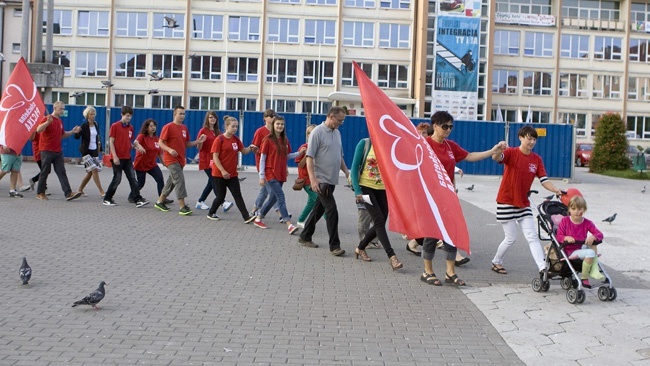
[
  {"x": 171, "y": 66},
  {"x": 506, "y": 42},
  {"x": 207, "y": 27},
  {"x": 132, "y": 24},
  {"x": 392, "y": 76},
  {"x": 394, "y": 4},
  {"x": 91, "y": 64},
  {"x": 347, "y": 75},
  {"x": 243, "y": 28},
  {"x": 241, "y": 104},
  {"x": 359, "y": 34},
  {"x": 205, "y": 103},
  {"x": 607, "y": 87},
  {"x": 318, "y": 73},
  {"x": 130, "y": 65},
  {"x": 524, "y": 6},
  {"x": 538, "y": 44},
  {"x": 638, "y": 88},
  {"x": 93, "y": 23},
  {"x": 320, "y": 31},
  {"x": 165, "y": 101},
  {"x": 132, "y": 100},
  {"x": 286, "y": 1},
  {"x": 607, "y": 48},
  {"x": 312, "y": 106},
  {"x": 640, "y": 12},
  {"x": 505, "y": 81},
  {"x": 282, "y": 71},
  {"x": 639, "y": 125},
  {"x": 360, "y": 3},
  {"x": 320, "y": 2},
  {"x": 205, "y": 68},
  {"x": 242, "y": 69},
  {"x": 639, "y": 50},
  {"x": 282, "y": 105},
  {"x": 573, "y": 85},
  {"x": 574, "y": 46},
  {"x": 62, "y": 24},
  {"x": 284, "y": 30},
  {"x": 537, "y": 83},
  {"x": 62, "y": 58},
  {"x": 394, "y": 35},
  {"x": 168, "y": 25},
  {"x": 591, "y": 9},
  {"x": 571, "y": 118}
]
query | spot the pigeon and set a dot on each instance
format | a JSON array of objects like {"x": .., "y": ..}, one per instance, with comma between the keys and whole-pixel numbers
[
  {"x": 643, "y": 190},
  {"x": 93, "y": 298},
  {"x": 548, "y": 198},
  {"x": 25, "y": 272},
  {"x": 153, "y": 91},
  {"x": 241, "y": 179},
  {"x": 470, "y": 188},
  {"x": 155, "y": 76},
  {"x": 106, "y": 83},
  {"x": 171, "y": 23},
  {"x": 77, "y": 94},
  {"x": 193, "y": 56},
  {"x": 610, "y": 219}
]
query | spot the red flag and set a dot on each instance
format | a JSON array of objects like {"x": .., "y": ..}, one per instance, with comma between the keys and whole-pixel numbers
[
  {"x": 21, "y": 108},
  {"x": 421, "y": 198}
]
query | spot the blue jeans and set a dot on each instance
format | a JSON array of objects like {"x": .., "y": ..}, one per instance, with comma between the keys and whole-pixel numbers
[
  {"x": 276, "y": 195},
  {"x": 261, "y": 198},
  {"x": 209, "y": 187}
]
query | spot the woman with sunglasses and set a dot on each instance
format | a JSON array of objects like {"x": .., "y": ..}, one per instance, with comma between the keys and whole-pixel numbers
[{"x": 449, "y": 153}]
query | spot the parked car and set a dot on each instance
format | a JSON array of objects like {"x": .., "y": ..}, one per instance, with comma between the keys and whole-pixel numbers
[{"x": 583, "y": 153}]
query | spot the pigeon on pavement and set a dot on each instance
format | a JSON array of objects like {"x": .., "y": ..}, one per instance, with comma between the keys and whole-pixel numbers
[
  {"x": 93, "y": 298},
  {"x": 470, "y": 188},
  {"x": 25, "y": 272},
  {"x": 610, "y": 219},
  {"x": 643, "y": 190}
]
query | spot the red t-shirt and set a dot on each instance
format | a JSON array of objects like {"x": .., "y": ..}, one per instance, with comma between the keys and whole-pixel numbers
[
  {"x": 258, "y": 140},
  {"x": 176, "y": 137},
  {"x": 228, "y": 149},
  {"x": 302, "y": 172},
  {"x": 519, "y": 172},
  {"x": 449, "y": 153},
  {"x": 51, "y": 136},
  {"x": 276, "y": 164},
  {"x": 123, "y": 134},
  {"x": 146, "y": 162},
  {"x": 205, "y": 157},
  {"x": 35, "y": 147}
]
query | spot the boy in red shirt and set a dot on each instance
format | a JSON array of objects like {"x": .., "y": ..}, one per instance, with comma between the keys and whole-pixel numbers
[
  {"x": 174, "y": 139},
  {"x": 120, "y": 137}
]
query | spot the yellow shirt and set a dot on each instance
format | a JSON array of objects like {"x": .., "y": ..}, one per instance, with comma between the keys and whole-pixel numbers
[{"x": 370, "y": 174}]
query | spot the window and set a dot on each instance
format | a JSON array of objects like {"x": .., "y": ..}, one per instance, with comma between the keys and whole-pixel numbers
[
  {"x": 132, "y": 24},
  {"x": 639, "y": 50},
  {"x": 165, "y": 101},
  {"x": 91, "y": 99},
  {"x": 170, "y": 65},
  {"x": 130, "y": 65},
  {"x": 282, "y": 105},
  {"x": 62, "y": 58},
  {"x": 640, "y": 12},
  {"x": 394, "y": 35},
  {"x": 243, "y": 28},
  {"x": 589, "y": 9},
  {"x": 18, "y": 12},
  {"x": 207, "y": 27},
  {"x": 62, "y": 22},
  {"x": 132, "y": 100},
  {"x": 358, "y": 34},
  {"x": 573, "y": 85},
  {"x": 574, "y": 46},
  {"x": 205, "y": 103},
  {"x": 347, "y": 75},
  {"x": 61, "y": 95},
  {"x": 320, "y": 2},
  {"x": 537, "y": 83},
  {"x": 640, "y": 125},
  {"x": 242, "y": 69},
  {"x": 320, "y": 31},
  {"x": 577, "y": 119},
  {"x": 607, "y": 87},
  {"x": 172, "y": 28},
  {"x": 506, "y": 42},
  {"x": 93, "y": 23},
  {"x": 638, "y": 88},
  {"x": 392, "y": 76},
  {"x": 282, "y": 71},
  {"x": 206, "y": 68},
  {"x": 311, "y": 106},
  {"x": 394, "y": 4},
  {"x": 316, "y": 73},
  {"x": 538, "y": 44},
  {"x": 91, "y": 64},
  {"x": 284, "y": 30},
  {"x": 537, "y": 116},
  {"x": 505, "y": 81},
  {"x": 241, "y": 104},
  {"x": 524, "y": 6},
  {"x": 286, "y": 1},
  {"x": 607, "y": 48},
  {"x": 360, "y": 3},
  {"x": 15, "y": 48}
]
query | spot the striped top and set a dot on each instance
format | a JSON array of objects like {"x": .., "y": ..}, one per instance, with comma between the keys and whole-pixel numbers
[{"x": 507, "y": 213}]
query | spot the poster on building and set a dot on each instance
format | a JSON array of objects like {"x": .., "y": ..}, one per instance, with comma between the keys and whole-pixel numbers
[
  {"x": 456, "y": 67},
  {"x": 467, "y": 8}
]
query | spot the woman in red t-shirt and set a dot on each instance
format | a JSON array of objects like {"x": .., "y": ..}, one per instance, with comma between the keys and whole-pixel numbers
[
  {"x": 146, "y": 163},
  {"x": 275, "y": 150},
  {"x": 312, "y": 196},
  {"x": 225, "y": 151},
  {"x": 211, "y": 131}
]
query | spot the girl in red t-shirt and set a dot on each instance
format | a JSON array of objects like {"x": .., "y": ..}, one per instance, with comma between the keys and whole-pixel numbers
[
  {"x": 146, "y": 163},
  {"x": 225, "y": 151},
  {"x": 275, "y": 150},
  {"x": 211, "y": 131}
]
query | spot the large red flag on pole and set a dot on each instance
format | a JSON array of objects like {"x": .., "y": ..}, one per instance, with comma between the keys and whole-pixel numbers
[
  {"x": 421, "y": 198},
  {"x": 21, "y": 108}
]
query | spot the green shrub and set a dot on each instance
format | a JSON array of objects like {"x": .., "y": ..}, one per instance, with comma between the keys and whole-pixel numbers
[{"x": 610, "y": 146}]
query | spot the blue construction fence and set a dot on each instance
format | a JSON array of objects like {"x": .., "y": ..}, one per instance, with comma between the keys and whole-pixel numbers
[{"x": 555, "y": 144}]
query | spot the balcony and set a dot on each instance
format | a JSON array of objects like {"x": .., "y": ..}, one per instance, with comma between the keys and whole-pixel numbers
[{"x": 594, "y": 24}]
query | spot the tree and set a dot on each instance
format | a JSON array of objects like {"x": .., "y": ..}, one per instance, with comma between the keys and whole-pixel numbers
[{"x": 610, "y": 146}]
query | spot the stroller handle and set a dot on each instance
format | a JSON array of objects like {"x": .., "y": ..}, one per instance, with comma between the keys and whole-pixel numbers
[
  {"x": 531, "y": 192},
  {"x": 582, "y": 242}
]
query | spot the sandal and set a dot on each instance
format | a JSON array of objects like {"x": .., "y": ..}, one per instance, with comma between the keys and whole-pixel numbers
[
  {"x": 461, "y": 262},
  {"x": 455, "y": 280},
  {"x": 414, "y": 252},
  {"x": 499, "y": 270},
  {"x": 431, "y": 279}
]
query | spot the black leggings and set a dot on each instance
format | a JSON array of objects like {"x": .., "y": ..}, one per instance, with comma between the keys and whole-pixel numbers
[{"x": 378, "y": 211}]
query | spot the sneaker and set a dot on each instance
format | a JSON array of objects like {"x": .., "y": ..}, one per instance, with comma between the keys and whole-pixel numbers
[
  {"x": 24, "y": 188},
  {"x": 73, "y": 196},
  {"x": 109, "y": 203},
  {"x": 32, "y": 184},
  {"x": 168, "y": 201},
  {"x": 42, "y": 197},
  {"x": 202, "y": 206},
  {"x": 162, "y": 207},
  {"x": 282, "y": 220},
  {"x": 227, "y": 205},
  {"x": 301, "y": 224},
  {"x": 47, "y": 193},
  {"x": 131, "y": 200},
  {"x": 214, "y": 217},
  {"x": 141, "y": 202},
  {"x": 253, "y": 213},
  {"x": 586, "y": 284},
  {"x": 308, "y": 244},
  {"x": 249, "y": 219},
  {"x": 337, "y": 252},
  {"x": 260, "y": 224},
  {"x": 185, "y": 211},
  {"x": 292, "y": 229},
  {"x": 15, "y": 194}
]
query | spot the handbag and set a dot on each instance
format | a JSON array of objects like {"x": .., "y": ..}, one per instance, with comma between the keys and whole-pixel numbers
[{"x": 298, "y": 184}]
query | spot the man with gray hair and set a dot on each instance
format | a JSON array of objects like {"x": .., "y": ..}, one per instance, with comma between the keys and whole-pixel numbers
[{"x": 324, "y": 160}]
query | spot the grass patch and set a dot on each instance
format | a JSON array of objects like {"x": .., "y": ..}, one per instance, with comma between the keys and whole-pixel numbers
[{"x": 627, "y": 174}]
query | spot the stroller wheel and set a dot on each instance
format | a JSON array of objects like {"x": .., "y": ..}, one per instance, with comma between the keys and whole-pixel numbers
[
  {"x": 603, "y": 293},
  {"x": 546, "y": 285},
  {"x": 536, "y": 284},
  {"x": 565, "y": 283},
  {"x": 573, "y": 296},
  {"x": 612, "y": 294},
  {"x": 581, "y": 296}
]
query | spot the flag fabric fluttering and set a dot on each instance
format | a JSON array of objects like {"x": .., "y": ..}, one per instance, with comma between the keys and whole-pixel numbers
[
  {"x": 421, "y": 198},
  {"x": 21, "y": 108},
  {"x": 529, "y": 116},
  {"x": 499, "y": 114}
]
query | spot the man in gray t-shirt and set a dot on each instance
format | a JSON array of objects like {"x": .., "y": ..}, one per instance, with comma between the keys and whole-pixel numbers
[{"x": 324, "y": 160}]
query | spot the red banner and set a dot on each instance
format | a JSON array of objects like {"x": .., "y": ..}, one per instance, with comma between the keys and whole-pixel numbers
[
  {"x": 21, "y": 108},
  {"x": 421, "y": 197}
]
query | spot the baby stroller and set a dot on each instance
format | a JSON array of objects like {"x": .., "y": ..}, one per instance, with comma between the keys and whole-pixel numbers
[{"x": 558, "y": 265}]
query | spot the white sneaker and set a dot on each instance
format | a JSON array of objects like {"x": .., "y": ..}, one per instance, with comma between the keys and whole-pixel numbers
[
  {"x": 300, "y": 224},
  {"x": 227, "y": 205},
  {"x": 202, "y": 206}
]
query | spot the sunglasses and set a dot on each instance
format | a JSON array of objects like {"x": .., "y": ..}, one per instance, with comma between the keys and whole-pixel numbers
[
  {"x": 271, "y": 115},
  {"x": 446, "y": 127}
]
